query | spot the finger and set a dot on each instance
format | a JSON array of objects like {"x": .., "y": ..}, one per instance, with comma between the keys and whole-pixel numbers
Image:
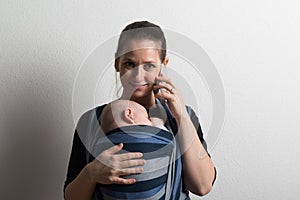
[
  {"x": 164, "y": 85},
  {"x": 128, "y": 156},
  {"x": 114, "y": 149},
  {"x": 130, "y": 171},
  {"x": 165, "y": 95},
  {"x": 123, "y": 181},
  {"x": 164, "y": 79},
  {"x": 132, "y": 163}
]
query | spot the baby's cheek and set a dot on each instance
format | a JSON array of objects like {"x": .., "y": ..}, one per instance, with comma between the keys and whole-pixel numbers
[{"x": 157, "y": 121}]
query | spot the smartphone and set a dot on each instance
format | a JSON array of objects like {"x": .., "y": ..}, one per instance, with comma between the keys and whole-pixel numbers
[{"x": 164, "y": 72}]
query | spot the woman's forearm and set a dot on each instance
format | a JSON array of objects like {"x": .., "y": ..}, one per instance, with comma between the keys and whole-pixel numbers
[
  {"x": 198, "y": 168},
  {"x": 81, "y": 188}
]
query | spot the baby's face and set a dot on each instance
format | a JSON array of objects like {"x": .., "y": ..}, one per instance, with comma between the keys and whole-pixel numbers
[{"x": 156, "y": 121}]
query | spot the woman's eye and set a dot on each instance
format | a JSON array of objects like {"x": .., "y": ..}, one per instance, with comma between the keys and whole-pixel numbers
[
  {"x": 149, "y": 66},
  {"x": 128, "y": 64}
]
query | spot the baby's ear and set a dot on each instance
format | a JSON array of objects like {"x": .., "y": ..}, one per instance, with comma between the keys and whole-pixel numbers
[{"x": 128, "y": 116}]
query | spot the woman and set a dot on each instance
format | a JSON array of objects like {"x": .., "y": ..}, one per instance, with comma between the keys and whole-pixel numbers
[{"x": 140, "y": 55}]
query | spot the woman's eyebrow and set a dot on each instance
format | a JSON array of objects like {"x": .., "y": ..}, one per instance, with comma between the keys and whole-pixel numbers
[
  {"x": 126, "y": 59},
  {"x": 147, "y": 60},
  {"x": 150, "y": 61}
]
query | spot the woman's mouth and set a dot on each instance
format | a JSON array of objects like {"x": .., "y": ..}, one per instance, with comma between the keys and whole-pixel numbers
[{"x": 138, "y": 85}]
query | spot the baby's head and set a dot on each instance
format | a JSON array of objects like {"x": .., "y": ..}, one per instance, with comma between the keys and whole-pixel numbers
[{"x": 123, "y": 113}]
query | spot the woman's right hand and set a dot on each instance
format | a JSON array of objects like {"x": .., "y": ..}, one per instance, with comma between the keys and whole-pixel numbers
[{"x": 109, "y": 167}]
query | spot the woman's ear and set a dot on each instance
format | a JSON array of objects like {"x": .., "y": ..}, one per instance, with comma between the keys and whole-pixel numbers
[
  {"x": 128, "y": 116},
  {"x": 117, "y": 59},
  {"x": 166, "y": 61}
]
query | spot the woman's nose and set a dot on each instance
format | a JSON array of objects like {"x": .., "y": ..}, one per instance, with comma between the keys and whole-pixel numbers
[{"x": 139, "y": 71}]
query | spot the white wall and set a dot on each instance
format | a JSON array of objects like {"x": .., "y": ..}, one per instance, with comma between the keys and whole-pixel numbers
[{"x": 253, "y": 44}]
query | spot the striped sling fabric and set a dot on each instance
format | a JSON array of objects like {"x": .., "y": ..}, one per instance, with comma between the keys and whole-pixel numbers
[{"x": 159, "y": 151}]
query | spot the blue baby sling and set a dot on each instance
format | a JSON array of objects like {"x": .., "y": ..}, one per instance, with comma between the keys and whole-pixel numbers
[{"x": 157, "y": 146}]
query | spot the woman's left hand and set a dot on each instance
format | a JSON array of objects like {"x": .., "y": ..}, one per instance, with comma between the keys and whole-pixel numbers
[{"x": 169, "y": 92}]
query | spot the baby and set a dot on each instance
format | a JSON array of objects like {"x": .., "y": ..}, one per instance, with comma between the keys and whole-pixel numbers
[
  {"x": 122, "y": 113},
  {"x": 127, "y": 122}
]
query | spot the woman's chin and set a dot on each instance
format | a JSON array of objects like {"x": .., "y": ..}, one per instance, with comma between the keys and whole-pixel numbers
[{"x": 140, "y": 94}]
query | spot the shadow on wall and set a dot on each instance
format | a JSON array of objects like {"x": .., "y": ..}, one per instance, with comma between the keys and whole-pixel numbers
[{"x": 33, "y": 153}]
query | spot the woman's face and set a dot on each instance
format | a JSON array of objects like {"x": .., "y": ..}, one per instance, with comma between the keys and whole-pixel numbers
[{"x": 138, "y": 67}]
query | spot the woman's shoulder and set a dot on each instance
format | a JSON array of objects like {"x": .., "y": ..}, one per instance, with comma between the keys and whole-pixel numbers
[
  {"x": 95, "y": 110},
  {"x": 92, "y": 114}
]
